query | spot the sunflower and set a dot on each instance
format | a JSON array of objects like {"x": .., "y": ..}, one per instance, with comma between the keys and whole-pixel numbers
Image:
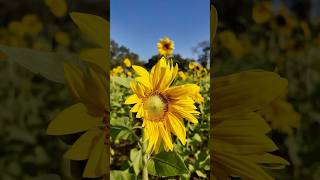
[
  {"x": 239, "y": 145},
  {"x": 88, "y": 115},
  {"x": 283, "y": 23},
  {"x": 261, "y": 12},
  {"x": 161, "y": 106},
  {"x": 165, "y": 46},
  {"x": 127, "y": 62},
  {"x": 90, "y": 88}
]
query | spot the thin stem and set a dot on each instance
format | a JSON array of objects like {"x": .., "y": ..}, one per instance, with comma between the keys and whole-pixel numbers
[{"x": 144, "y": 162}]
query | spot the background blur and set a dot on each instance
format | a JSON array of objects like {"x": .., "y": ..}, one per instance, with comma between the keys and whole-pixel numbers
[
  {"x": 280, "y": 36},
  {"x": 28, "y": 102}
]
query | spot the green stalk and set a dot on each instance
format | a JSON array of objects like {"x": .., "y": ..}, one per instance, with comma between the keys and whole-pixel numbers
[{"x": 144, "y": 162}]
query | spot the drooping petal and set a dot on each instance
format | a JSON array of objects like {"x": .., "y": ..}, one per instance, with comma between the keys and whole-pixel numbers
[
  {"x": 95, "y": 167},
  {"x": 183, "y": 113},
  {"x": 177, "y": 127},
  {"x": 165, "y": 135},
  {"x": 80, "y": 150}
]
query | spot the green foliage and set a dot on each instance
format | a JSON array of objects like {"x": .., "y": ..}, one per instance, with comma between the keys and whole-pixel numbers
[
  {"x": 119, "y": 53},
  {"x": 166, "y": 164}
]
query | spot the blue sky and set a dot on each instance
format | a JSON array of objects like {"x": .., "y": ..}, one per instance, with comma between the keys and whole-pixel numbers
[{"x": 139, "y": 24}]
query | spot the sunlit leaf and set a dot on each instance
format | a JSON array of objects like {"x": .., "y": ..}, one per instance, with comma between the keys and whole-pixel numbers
[
  {"x": 166, "y": 164},
  {"x": 121, "y": 175},
  {"x": 136, "y": 158}
]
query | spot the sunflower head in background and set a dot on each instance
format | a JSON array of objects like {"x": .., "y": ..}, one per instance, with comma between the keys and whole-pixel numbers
[
  {"x": 261, "y": 12},
  {"x": 165, "y": 46}
]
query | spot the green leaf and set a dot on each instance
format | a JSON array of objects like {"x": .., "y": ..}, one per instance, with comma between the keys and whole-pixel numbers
[
  {"x": 166, "y": 164},
  {"x": 47, "y": 64},
  {"x": 136, "y": 158},
  {"x": 121, "y": 175},
  {"x": 121, "y": 81}
]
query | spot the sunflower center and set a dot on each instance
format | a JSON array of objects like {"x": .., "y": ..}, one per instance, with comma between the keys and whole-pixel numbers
[
  {"x": 155, "y": 106},
  {"x": 166, "y": 46},
  {"x": 281, "y": 21}
]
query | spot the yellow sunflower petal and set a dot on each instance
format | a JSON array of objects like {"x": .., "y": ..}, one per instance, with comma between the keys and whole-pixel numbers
[
  {"x": 270, "y": 161},
  {"x": 81, "y": 149},
  {"x": 177, "y": 127},
  {"x": 94, "y": 167},
  {"x": 72, "y": 120},
  {"x": 133, "y": 99},
  {"x": 73, "y": 77},
  {"x": 165, "y": 136},
  {"x": 185, "y": 114},
  {"x": 241, "y": 166},
  {"x": 136, "y": 107},
  {"x": 182, "y": 91},
  {"x": 93, "y": 26},
  {"x": 141, "y": 71},
  {"x": 245, "y": 92}
]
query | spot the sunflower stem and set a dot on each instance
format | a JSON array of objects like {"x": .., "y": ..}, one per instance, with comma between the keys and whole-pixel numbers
[{"x": 144, "y": 161}]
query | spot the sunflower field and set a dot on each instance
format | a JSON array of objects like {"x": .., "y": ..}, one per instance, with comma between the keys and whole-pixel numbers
[{"x": 127, "y": 130}]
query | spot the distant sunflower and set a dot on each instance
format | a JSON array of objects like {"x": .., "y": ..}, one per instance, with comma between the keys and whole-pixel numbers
[
  {"x": 165, "y": 46},
  {"x": 283, "y": 23},
  {"x": 161, "y": 106},
  {"x": 239, "y": 145},
  {"x": 127, "y": 62},
  {"x": 261, "y": 12}
]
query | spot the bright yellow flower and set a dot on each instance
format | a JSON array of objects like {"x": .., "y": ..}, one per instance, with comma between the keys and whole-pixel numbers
[
  {"x": 165, "y": 46},
  {"x": 191, "y": 65},
  {"x": 62, "y": 38},
  {"x": 129, "y": 74},
  {"x": 32, "y": 25},
  {"x": 239, "y": 144},
  {"x": 261, "y": 12},
  {"x": 182, "y": 75},
  {"x": 282, "y": 116},
  {"x": 162, "y": 107},
  {"x": 57, "y": 7},
  {"x": 127, "y": 62}
]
